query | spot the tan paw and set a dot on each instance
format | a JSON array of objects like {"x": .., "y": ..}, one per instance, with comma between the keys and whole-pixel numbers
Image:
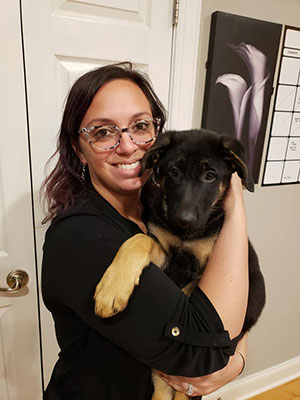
[
  {"x": 112, "y": 293},
  {"x": 162, "y": 391},
  {"x": 117, "y": 284}
]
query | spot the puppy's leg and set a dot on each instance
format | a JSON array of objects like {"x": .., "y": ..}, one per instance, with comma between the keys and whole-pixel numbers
[
  {"x": 181, "y": 396},
  {"x": 162, "y": 391},
  {"x": 117, "y": 284}
]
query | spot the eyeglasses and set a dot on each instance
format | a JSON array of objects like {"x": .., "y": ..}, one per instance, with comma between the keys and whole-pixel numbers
[{"x": 108, "y": 137}]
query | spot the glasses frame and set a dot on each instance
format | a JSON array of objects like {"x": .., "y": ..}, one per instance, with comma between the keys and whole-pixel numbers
[{"x": 119, "y": 131}]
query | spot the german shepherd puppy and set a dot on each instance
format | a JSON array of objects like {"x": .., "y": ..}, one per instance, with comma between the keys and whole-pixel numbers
[{"x": 183, "y": 210}]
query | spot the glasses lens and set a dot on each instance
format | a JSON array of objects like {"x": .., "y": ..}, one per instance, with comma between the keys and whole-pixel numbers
[
  {"x": 143, "y": 131},
  {"x": 104, "y": 136}
]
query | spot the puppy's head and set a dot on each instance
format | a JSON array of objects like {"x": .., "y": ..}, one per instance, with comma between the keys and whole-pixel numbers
[
  {"x": 230, "y": 148},
  {"x": 192, "y": 170}
]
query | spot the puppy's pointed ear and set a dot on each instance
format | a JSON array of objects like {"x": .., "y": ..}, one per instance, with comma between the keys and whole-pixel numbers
[
  {"x": 152, "y": 156},
  {"x": 235, "y": 153}
]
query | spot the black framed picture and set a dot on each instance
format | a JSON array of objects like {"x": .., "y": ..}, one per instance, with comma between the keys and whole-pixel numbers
[{"x": 241, "y": 63}]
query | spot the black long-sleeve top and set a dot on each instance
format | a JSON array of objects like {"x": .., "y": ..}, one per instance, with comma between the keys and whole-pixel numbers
[{"x": 111, "y": 358}]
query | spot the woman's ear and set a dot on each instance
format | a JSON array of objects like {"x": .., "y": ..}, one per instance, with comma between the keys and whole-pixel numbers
[{"x": 79, "y": 153}]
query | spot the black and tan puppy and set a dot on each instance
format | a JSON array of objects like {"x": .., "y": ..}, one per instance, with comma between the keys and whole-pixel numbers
[{"x": 183, "y": 210}]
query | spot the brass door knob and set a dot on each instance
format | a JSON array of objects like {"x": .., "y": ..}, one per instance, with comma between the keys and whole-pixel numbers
[{"x": 15, "y": 280}]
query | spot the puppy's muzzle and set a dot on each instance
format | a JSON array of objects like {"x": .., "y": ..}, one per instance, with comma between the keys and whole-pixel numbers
[{"x": 184, "y": 218}]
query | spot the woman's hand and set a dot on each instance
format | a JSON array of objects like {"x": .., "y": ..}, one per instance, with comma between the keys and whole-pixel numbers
[
  {"x": 234, "y": 200},
  {"x": 209, "y": 383}
]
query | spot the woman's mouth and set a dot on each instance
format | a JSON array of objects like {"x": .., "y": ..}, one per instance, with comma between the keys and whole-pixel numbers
[{"x": 128, "y": 166}]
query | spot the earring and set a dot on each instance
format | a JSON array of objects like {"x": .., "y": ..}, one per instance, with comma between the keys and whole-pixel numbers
[{"x": 82, "y": 175}]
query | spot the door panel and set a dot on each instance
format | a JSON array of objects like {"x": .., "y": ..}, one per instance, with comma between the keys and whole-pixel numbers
[
  {"x": 20, "y": 376},
  {"x": 132, "y": 10},
  {"x": 64, "y": 39}
]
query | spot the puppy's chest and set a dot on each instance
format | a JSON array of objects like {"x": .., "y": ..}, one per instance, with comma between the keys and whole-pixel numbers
[
  {"x": 185, "y": 260},
  {"x": 182, "y": 266}
]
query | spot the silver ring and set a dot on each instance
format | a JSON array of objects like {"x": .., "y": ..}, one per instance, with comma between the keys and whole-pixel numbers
[{"x": 190, "y": 389}]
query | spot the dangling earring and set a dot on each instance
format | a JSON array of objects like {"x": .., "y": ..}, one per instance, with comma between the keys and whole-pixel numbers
[{"x": 83, "y": 168}]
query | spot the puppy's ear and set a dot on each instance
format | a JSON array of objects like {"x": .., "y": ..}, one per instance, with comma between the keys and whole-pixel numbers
[
  {"x": 152, "y": 156},
  {"x": 235, "y": 153}
]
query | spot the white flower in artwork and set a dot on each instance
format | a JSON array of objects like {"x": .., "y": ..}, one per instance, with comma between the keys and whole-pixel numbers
[
  {"x": 238, "y": 96},
  {"x": 245, "y": 97}
]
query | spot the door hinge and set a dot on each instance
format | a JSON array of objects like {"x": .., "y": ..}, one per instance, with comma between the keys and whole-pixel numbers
[{"x": 175, "y": 12}]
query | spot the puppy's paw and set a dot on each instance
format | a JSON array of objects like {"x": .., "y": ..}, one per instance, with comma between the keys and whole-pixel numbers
[
  {"x": 117, "y": 284},
  {"x": 113, "y": 292},
  {"x": 162, "y": 391}
]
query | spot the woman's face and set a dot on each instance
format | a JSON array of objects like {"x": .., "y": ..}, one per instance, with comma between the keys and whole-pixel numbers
[{"x": 115, "y": 172}]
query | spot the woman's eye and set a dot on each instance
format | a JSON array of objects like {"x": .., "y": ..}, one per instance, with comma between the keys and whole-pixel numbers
[
  {"x": 102, "y": 132},
  {"x": 141, "y": 126},
  {"x": 209, "y": 176}
]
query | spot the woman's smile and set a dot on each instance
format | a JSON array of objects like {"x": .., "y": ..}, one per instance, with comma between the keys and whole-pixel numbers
[{"x": 129, "y": 166}]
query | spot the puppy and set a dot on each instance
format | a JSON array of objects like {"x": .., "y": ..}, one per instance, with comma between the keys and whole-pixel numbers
[{"x": 183, "y": 210}]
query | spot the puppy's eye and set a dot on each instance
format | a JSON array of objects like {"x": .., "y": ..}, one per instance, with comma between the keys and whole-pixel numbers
[
  {"x": 174, "y": 172},
  {"x": 209, "y": 176}
]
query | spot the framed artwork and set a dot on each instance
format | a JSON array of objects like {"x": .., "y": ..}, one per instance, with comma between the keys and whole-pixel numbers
[
  {"x": 241, "y": 62},
  {"x": 282, "y": 164}
]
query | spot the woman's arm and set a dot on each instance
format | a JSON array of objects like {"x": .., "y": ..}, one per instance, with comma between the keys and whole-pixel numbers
[
  {"x": 210, "y": 383},
  {"x": 225, "y": 279}
]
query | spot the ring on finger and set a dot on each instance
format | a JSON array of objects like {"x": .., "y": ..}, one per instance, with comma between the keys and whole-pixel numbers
[{"x": 190, "y": 389}]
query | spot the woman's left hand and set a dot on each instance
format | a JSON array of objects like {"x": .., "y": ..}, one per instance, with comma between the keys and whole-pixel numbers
[{"x": 209, "y": 383}]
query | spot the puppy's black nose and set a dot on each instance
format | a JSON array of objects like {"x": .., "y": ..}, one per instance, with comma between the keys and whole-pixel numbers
[{"x": 184, "y": 218}]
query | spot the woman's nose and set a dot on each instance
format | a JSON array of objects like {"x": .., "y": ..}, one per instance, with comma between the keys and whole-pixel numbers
[{"x": 126, "y": 145}]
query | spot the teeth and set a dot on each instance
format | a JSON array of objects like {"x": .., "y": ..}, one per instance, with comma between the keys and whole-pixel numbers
[{"x": 128, "y": 166}]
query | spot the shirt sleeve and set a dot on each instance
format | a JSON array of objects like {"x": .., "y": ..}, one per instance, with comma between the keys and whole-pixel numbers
[{"x": 160, "y": 327}]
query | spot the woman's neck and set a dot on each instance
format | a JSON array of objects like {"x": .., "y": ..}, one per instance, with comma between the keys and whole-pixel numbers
[{"x": 127, "y": 205}]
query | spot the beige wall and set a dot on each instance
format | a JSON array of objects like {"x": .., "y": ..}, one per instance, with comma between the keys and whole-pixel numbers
[{"x": 273, "y": 214}]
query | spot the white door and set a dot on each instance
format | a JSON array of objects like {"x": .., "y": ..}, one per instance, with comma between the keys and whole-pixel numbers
[
  {"x": 20, "y": 376},
  {"x": 65, "y": 38}
]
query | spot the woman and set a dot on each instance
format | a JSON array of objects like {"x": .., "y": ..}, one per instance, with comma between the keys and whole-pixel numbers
[{"x": 111, "y": 118}]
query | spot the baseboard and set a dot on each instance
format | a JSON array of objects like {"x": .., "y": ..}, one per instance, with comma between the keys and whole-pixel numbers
[{"x": 252, "y": 385}]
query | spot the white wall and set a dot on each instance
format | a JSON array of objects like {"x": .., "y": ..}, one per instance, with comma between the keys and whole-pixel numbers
[{"x": 273, "y": 214}]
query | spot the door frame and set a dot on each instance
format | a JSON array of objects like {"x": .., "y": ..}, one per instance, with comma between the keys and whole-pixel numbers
[{"x": 184, "y": 66}]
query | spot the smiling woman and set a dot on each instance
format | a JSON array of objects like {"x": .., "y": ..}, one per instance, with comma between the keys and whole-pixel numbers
[
  {"x": 115, "y": 97},
  {"x": 111, "y": 118},
  {"x": 115, "y": 174}
]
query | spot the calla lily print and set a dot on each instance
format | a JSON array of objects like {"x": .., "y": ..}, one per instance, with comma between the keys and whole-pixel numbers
[
  {"x": 246, "y": 98},
  {"x": 240, "y": 66}
]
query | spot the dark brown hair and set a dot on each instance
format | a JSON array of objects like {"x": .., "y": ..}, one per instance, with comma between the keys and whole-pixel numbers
[{"x": 64, "y": 184}]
